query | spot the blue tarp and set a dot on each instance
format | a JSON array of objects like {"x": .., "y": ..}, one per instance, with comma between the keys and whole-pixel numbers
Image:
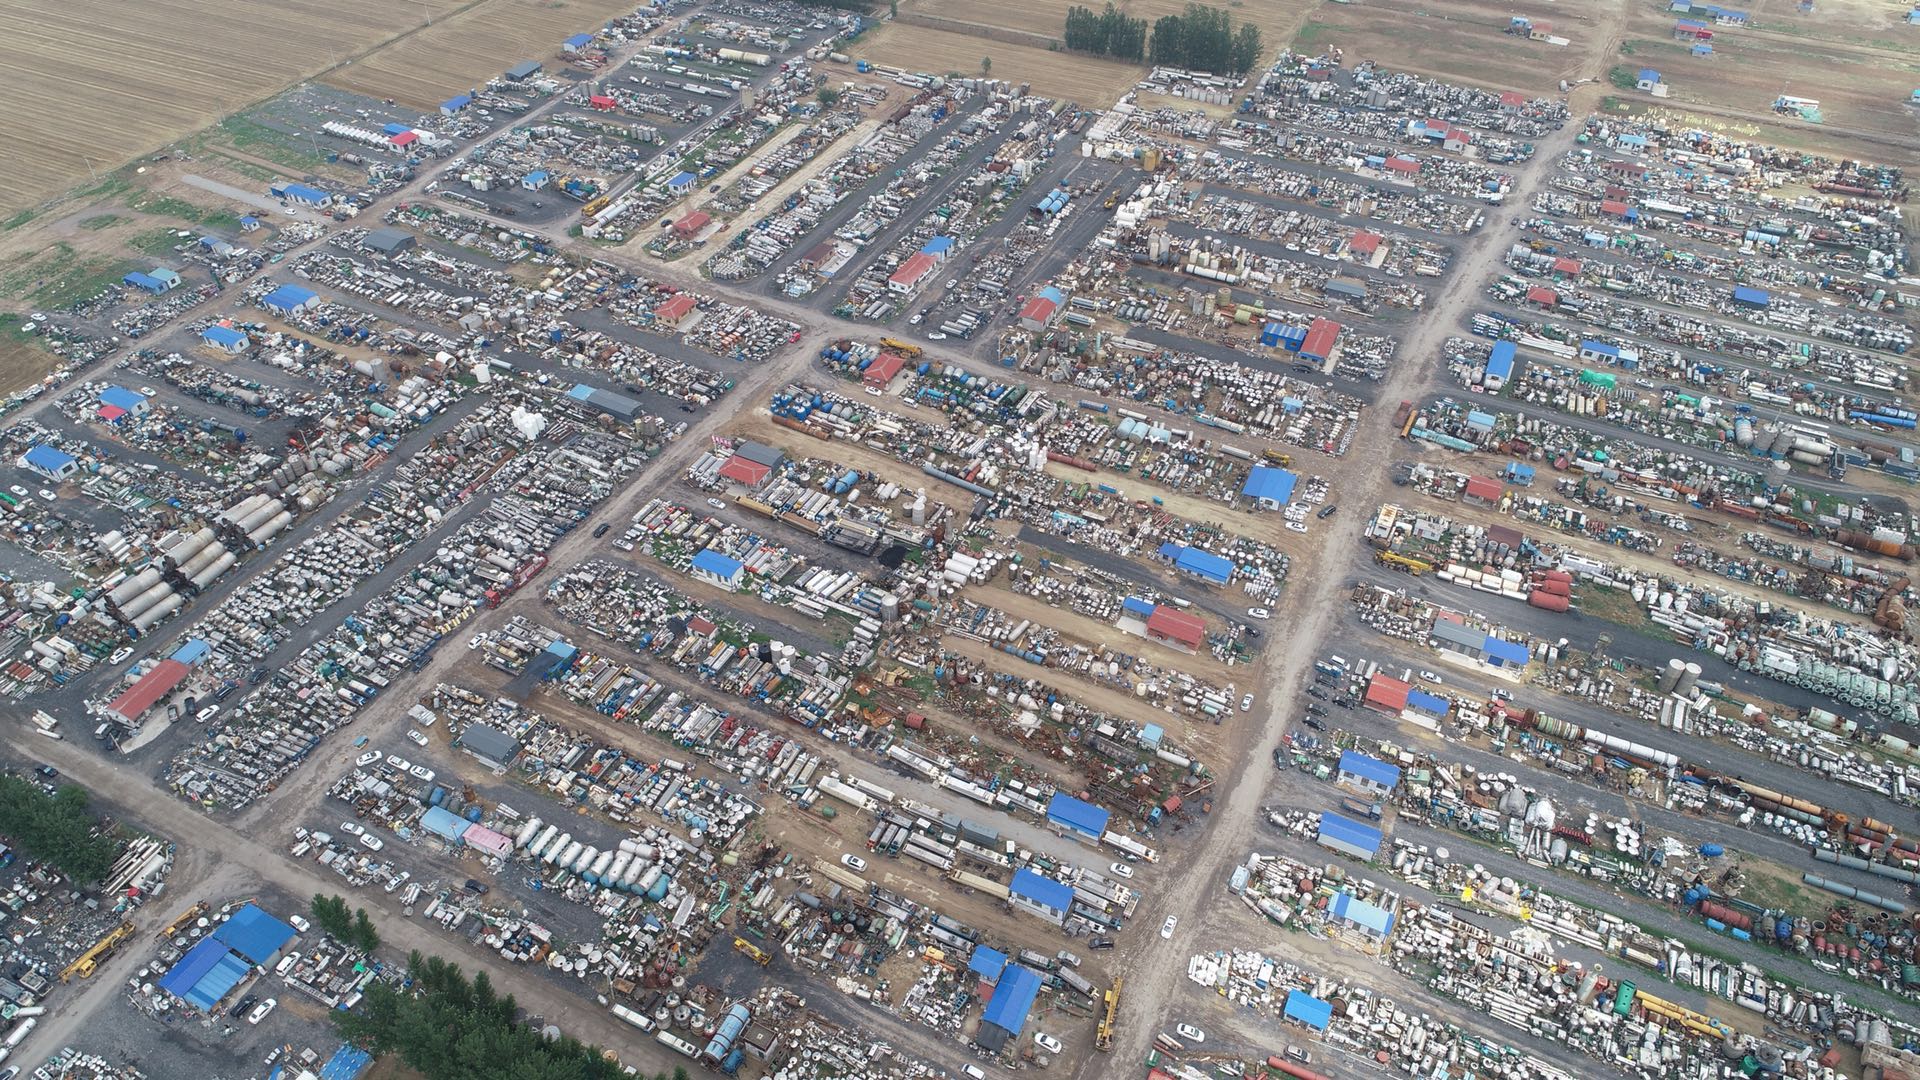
[
  {"x": 1269, "y": 484},
  {"x": 1012, "y": 1000},
  {"x": 1426, "y": 703},
  {"x": 1346, "y": 834},
  {"x": 987, "y": 963},
  {"x": 939, "y": 245},
  {"x": 1041, "y": 890},
  {"x": 1362, "y": 914},
  {"x": 254, "y": 934},
  {"x": 1505, "y": 653},
  {"x": 1308, "y": 1010},
  {"x": 1370, "y": 769},
  {"x": 1076, "y": 814},
  {"x": 1205, "y": 564}
]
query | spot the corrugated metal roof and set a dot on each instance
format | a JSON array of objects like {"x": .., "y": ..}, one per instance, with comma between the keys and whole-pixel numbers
[
  {"x": 1308, "y": 1010},
  {"x": 489, "y": 742},
  {"x": 1078, "y": 815},
  {"x": 1012, "y": 1000},
  {"x": 1362, "y": 914},
  {"x": 254, "y": 934},
  {"x": 1387, "y": 693},
  {"x": 154, "y": 685},
  {"x": 1347, "y": 831},
  {"x": 713, "y": 562},
  {"x": 1205, "y": 564},
  {"x": 1178, "y": 625},
  {"x": 1507, "y": 652},
  {"x": 1427, "y": 703},
  {"x": 1041, "y": 889},
  {"x": 1370, "y": 769},
  {"x": 987, "y": 963},
  {"x": 443, "y": 823},
  {"x": 1453, "y": 633},
  {"x": 1269, "y": 483}
]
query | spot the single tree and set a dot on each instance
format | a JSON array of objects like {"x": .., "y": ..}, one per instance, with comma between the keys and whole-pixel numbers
[{"x": 986, "y": 65}]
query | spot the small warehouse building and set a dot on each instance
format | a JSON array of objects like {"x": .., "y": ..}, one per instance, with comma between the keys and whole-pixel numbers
[
  {"x": 1748, "y": 297},
  {"x": 1205, "y": 565},
  {"x": 1502, "y": 653},
  {"x": 575, "y": 43},
  {"x": 1500, "y": 366},
  {"x": 302, "y": 194},
  {"x": 690, "y": 226},
  {"x": 535, "y": 180},
  {"x": 49, "y": 461},
  {"x": 1425, "y": 708},
  {"x": 211, "y": 969},
  {"x": 681, "y": 182},
  {"x": 1348, "y": 836},
  {"x": 1005, "y": 1015},
  {"x": 882, "y": 369},
  {"x": 676, "y": 311},
  {"x": 146, "y": 691},
  {"x": 1171, "y": 626},
  {"x": 607, "y": 403},
  {"x": 1367, "y": 774},
  {"x": 290, "y": 300},
  {"x": 717, "y": 569},
  {"x": 1322, "y": 343},
  {"x": 1371, "y": 920},
  {"x": 1040, "y": 896},
  {"x": 760, "y": 453},
  {"x": 1386, "y": 694},
  {"x": 1077, "y": 816},
  {"x": 132, "y": 402},
  {"x": 455, "y": 103},
  {"x": 144, "y": 282},
  {"x": 912, "y": 273},
  {"x": 1308, "y": 1011},
  {"x": 742, "y": 471},
  {"x": 1450, "y": 635},
  {"x": 1039, "y": 311},
  {"x": 1268, "y": 487},
  {"x": 390, "y": 241},
  {"x": 492, "y": 747},
  {"x": 522, "y": 71},
  {"x": 226, "y": 339},
  {"x": 443, "y": 823}
]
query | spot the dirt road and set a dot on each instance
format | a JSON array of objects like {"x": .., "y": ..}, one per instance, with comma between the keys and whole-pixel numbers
[{"x": 1157, "y": 966}]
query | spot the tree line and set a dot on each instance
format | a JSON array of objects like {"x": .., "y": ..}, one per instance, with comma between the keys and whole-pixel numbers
[
  {"x": 450, "y": 1027},
  {"x": 1111, "y": 32},
  {"x": 1201, "y": 39},
  {"x": 57, "y": 828},
  {"x": 330, "y": 913}
]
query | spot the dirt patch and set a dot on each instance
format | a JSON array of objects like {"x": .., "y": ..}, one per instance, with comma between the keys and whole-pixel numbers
[
  {"x": 470, "y": 47},
  {"x": 1458, "y": 40},
  {"x": 1084, "y": 80}
]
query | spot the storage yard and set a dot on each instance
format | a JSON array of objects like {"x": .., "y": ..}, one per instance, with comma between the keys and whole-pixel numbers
[{"x": 800, "y": 557}]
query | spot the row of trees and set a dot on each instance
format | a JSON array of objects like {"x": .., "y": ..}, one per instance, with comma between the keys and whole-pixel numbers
[
  {"x": 1111, "y": 32},
  {"x": 56, "y": 828},
  {"x": 330, "y": 913},
  {"x": 1204, "y": 39},
  {"x": 450, "y": 1027}
]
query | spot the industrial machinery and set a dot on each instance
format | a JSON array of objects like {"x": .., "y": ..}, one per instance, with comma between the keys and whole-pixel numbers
[{"x": 90, "y": 959}]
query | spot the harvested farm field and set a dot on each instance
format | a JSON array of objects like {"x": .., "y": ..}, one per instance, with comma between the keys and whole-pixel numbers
[
  {"x": 148, "y": 75},
  {"x": 471, "y": 47},
  {"x": 1460, "y": 41},
  {"x": 1083, "y": 80}
]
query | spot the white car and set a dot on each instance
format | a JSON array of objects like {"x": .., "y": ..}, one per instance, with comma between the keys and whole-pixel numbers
[
  {"x": 395, "y": 761},
  {"x": 473, "y": 642},
  {"x": 120, "y": 654},
  {"x": 300, "y": 923},
  {"x": 716, "y": 504},
  {"x": 1166, "y": 928},
  {"x": 1190, "y": 1033},
  {"x": 206, "y": 714},
  {"x": 371, "y": 842},
  {"x": 854, "y": 863},
  {"x": 1246, "y": 703},
  {"x": 371, "y": 757},
  {"x": 261, "y": 1010},
  {"x": 1259, "y": 613},
  {"x": 415, "y": 735},
  {"x": 973, "y": 1072},
  {"x": 148, "y": 391},
  {"x": 1047, "y": 1042},
  {"x": 19, "y": 491},
  {"x": 1120, "y": 870},
  {"x": 47, "y": 494},
  {"x": 421, "y": 773},
  {"x": 352, "y": 828},
  {"x": 1431, "y": 677},
  {"x": 1296, "y": 526}
]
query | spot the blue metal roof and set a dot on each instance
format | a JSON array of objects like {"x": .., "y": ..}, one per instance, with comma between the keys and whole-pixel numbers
[
  {"x": 1012, "y": 1000},
  {"x": 1041, "y": 890},
  {"x": 1133, "y": 605},
  {"x": 1743, "y": 294},
  {"x": 302, "y": 192},
  {"x": 141, "y": 280},
  {"x": 1600, "y": 347},
  {"x": 1151, "y": 734},
  {"x": 681, "y": 179},
  {"x": 346, "y": 1063},
  {"x": 987, "y": 963},
  {"x": 1507, "y": 652},
  {"x": 254, "y": 934},
  {"x": 194, "y": 651},
  {"x": 222, "y": 335},
  {"x": 1371, "y": 769},
  {"x": 1427, "y": 703},
  {"x": 192, "y": 967},
  {"x": 1171, "y": 550},
  {"x": 578, "y": 40},
  {"x": 1269, "y": 483},
  {"x": 1076, "y": 814},
  {"x": 1357, "y": 911},
  {"x": 289, "y": 296},
  {"x": 714, "y": 563},
  {"x": 1649, "y": 75},
  {"x": 939, "y": 245},
  {"x": 456, "y": 103},
  {"x": 444, "y": 823},
  {"x": 1308, "y": 1010},
  {"x": 122, "y": 397},
  {"x": 1214, "y": 568},
  {"x": 49, "y": 458},
  {"x": 1349, "y": 832}
]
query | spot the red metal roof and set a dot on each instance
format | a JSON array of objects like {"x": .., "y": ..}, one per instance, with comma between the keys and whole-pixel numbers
[
  {"x": 1508, "y": 97},
  {"x": 601, "y": 101},
  {"x": 1178, "y": 625},
  {"x": 1403, "y": 165},
  {"x": 1479, "y": 487},
  {"x": 154, "y": 685},
  {"x": 1038, "y": 309},
  {"x": 917, "y": 266},
  {"x": 700, "y": 624},
  {"x": 1545, "y": 297},
  {"x": 693, "y": 223},
  {"x": 405, "y": 138},
  {"x": 675, "y": 308},
  {"x": 883, "y": 369},
  {"x": 111, "y": 413},
  {"x": 1565, "y": 265},
  {"x": 1322, "y": 336},
  {"x": 1387, "y": 694},
  {"x": 742, "y": 471},
  {"x": 1614, "y": 207},
  {"x": 1364, "y": 242}
]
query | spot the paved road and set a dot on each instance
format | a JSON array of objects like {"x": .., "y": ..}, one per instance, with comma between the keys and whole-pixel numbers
[{"x": 251, "y": 198}]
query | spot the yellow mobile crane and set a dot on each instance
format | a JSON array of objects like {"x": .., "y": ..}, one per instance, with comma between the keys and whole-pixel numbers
[
  {"x": 758, "y": 954},
  {"x": 180, "y": 923},
  {"x": 1103, "y": 1035},
  {"x": 904, "y": 348},
  {"x": 90, "y": 959},
  {"x": 1413, "y": 566}
]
